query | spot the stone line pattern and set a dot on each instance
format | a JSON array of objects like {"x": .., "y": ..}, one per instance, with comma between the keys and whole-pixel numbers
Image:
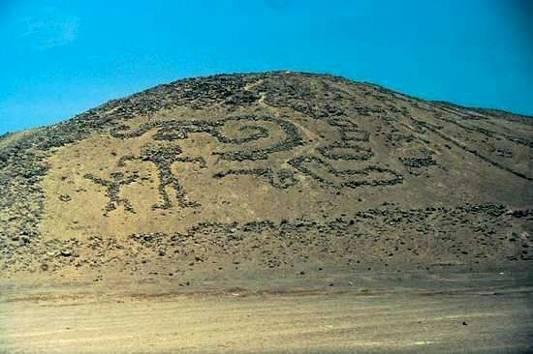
[
  {"x": 163, "y": 157},
  {"x": 282, "y": 179},
  {"x": 437, "y": 130},
  {"x": 437, "y": 113},
  {"x": 113, "y": 187},
  {"x": 176, "y": 130},
  {"x": 326, "y": 174},
  {"x": 353, "y": 145}
]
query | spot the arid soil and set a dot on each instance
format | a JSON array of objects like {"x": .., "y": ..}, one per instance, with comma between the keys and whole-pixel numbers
[
  {"x": 278, "y": 169},
  {"x": 375, "y": 313},
  {"x": 266, "y": 213}
]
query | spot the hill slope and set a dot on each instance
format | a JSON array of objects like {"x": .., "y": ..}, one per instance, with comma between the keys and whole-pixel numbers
[{"x": 267, "y": 172}]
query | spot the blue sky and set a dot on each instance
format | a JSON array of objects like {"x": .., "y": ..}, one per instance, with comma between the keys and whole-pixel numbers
[{"x": 59, "y": 58}]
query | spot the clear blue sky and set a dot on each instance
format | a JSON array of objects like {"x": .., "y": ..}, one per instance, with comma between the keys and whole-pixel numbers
[{"x": 59, "y": 58}]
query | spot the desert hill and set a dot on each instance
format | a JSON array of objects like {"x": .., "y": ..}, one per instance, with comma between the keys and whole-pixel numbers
[{"x": 273, "y": 172}]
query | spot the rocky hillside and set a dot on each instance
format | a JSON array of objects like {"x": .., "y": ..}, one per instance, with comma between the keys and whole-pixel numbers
[{"x": 267, "y": 172}]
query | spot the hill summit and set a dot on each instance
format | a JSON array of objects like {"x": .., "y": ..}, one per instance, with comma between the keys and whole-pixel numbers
[{"x": 267, "y": 172}]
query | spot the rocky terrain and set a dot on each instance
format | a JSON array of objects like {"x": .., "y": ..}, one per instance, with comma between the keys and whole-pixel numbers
[
  {"x": 327, "y": 202},
  {"x": 276, "y": 170}
]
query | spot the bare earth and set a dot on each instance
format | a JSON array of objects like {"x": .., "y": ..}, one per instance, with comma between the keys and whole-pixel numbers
[
  {"x": 269, "y": 213},
  {"x": 474, "y": 313}
]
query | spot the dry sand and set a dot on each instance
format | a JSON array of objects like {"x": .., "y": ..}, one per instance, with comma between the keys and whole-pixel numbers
[{"x": 479, "y": 313}]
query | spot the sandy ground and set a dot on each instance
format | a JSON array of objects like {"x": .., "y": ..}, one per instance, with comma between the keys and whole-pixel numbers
[{"x": 491, "y": 313}]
